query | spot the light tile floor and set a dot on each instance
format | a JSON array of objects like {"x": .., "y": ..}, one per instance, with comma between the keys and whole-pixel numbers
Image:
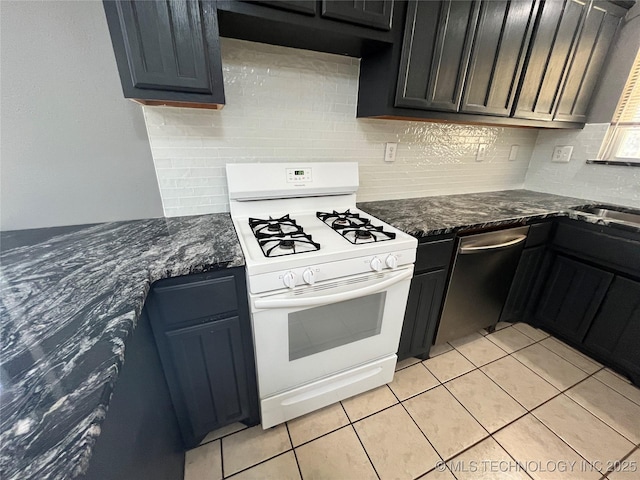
[{"x": 514, "y": 404}]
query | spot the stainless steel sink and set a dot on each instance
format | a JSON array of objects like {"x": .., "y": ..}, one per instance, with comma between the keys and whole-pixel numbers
[{"x": 611, "y": 214}]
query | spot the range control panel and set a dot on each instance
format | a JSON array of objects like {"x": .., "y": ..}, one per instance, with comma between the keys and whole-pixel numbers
[{"x": 302, "y": 175}]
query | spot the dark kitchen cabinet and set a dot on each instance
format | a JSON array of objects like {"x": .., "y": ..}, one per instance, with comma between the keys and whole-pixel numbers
[
  {"x": 581, "y": 282},
  {"x": 504, "y": 62},
  {"x": 499, "y": 48},
  {"x": 167, "y": 52},
  {"x": 369, "y": 13},
  {"x": 571, "y": 297},
  {"x": 435, "y": 54},
  {"x": 615, "y": 332},
  {"x": 334, "y": 26},
  {"x": 202, "y": 329},
  {"x": 553, "y": 44},
  {"x": 426, "y": 296},
  {"x": 596, "y": 37}
]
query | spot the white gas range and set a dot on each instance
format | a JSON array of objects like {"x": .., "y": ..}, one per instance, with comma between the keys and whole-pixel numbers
[{"x": 328, "y": 284}]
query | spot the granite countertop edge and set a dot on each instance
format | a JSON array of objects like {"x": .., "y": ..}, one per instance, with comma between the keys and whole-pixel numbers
[
  {"x": 169, "y": 247},
  {"x": 425, "y": 217}
]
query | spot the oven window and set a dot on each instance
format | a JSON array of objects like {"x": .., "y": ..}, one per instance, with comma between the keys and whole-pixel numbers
[{"x": 322, "y": 328}]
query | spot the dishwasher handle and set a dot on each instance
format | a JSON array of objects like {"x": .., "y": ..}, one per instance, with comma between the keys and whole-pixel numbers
[{"x": 496, "y": 246}]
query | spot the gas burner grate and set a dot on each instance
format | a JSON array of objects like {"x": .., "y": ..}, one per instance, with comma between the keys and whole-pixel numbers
[
  {"x": 354, "y": 228},
  {"x": 342, "y": 219},
  {"x": 274, "y": 226},
  {"x": 287, "y": 244},
  {"x": 366, "y": 234}
]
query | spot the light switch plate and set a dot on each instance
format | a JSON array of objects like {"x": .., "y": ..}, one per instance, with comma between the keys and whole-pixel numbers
[
  {"x": 482, "y": 152},
  {"x": 513, "y": 154},
  {"x": 562, "y": 154},
  {"x": 390, "y": 152}
]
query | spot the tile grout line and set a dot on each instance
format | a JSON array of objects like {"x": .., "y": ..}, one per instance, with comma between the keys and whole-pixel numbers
[
  {"x": 365, "y": 450},
  {"x": 256, "y": 464},
  {"x": 635, "y": 449},
  {"x": 500, "y": 386},
  {"x": 223, "y": 436},
  {"x": 221, "y": 459},
  {"x": 592, "y": 413},
  {"x": 400, "y": 402},
  {"x": 555, "y": 434},
  {"x": 295, "y": 455},
  {"x": 614, "y": 389}
]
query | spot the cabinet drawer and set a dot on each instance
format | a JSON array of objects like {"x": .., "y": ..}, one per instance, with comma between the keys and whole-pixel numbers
[
  {"x": 616, "y": 252},
  {"x": 202, "y": 299},
  {"x": 433, "y": 255}
]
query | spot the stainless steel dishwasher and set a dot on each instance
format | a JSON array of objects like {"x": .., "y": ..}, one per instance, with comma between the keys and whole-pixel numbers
[{"x": 482, "y": 274}]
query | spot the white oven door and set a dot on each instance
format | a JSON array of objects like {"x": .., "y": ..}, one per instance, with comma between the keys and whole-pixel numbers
[{"x": 304, "y": 335}]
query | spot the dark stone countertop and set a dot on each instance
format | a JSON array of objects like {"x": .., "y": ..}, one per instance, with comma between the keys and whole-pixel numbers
[
  {"x": 70, "y": 299},
  {"x": 427, "y": 216}
]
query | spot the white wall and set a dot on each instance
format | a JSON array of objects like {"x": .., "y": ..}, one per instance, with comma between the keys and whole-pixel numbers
[
  {"x": 604, "y": 183},
  {"x": 290, "y": 105},
  {"x": 73, "y": 150}
]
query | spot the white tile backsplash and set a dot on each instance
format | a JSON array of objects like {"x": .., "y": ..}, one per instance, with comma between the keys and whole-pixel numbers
[
  {"x": 604, "y": 183},
  {"x": 287, "y": 105}
]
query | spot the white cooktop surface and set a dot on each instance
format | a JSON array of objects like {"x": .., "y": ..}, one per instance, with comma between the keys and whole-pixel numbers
[{"x": 333, "y": 247}]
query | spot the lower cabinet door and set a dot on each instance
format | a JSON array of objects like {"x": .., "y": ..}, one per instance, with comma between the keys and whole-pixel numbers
[
  {"x": 571, "y": 297},
  {"x": 421, "y": 317},
  {"x": 615, "y": 333},
  {"x": 523, "y": 288},
  {"x": 209, "y": 363}
]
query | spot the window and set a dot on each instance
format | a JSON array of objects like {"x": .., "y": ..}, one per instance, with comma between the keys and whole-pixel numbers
[{"x": 622, "y": 143}]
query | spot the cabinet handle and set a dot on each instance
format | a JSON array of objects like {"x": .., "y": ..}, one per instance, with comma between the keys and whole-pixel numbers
[{"x": 483, "y": 248}]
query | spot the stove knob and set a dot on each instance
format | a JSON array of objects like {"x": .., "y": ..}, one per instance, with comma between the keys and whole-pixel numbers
[
  {"x": 289, "y": 279},
  {"x": 392, "y": 261},
  {"x": 309, "y": 276},
  {"x": 376, "y": 264}
]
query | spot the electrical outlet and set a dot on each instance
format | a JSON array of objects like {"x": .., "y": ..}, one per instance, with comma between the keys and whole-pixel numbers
[
  {"x": 482, "y": 152},
  {"x": 562, "y": 154},
  {"x": 390, "y": 152},
  {"x": 513, "y": 154}
]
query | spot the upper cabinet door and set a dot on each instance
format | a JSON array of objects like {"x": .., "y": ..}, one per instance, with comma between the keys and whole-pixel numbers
[
  {"x": 167, "y": 50},
  {"x": 550, "y": 54},
  {"x": 499, "y": 49},
  {"x": 593, "y": 44},
  {"x": 369, "y": 13},
  {"x": 435, "y": 54}
]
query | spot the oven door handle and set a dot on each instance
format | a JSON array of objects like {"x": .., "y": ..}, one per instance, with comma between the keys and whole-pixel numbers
[{"x": 337, "y": 297}]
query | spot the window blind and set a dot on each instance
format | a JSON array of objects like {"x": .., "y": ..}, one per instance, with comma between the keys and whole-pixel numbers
[
  {"x": 628, "y": 110},
  {"x": 622, "y": 142}
]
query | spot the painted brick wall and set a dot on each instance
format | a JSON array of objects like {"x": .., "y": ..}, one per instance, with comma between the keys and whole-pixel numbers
[
  {"x": 604, "y": 183},
  {"x": 294, "y": 105}
]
